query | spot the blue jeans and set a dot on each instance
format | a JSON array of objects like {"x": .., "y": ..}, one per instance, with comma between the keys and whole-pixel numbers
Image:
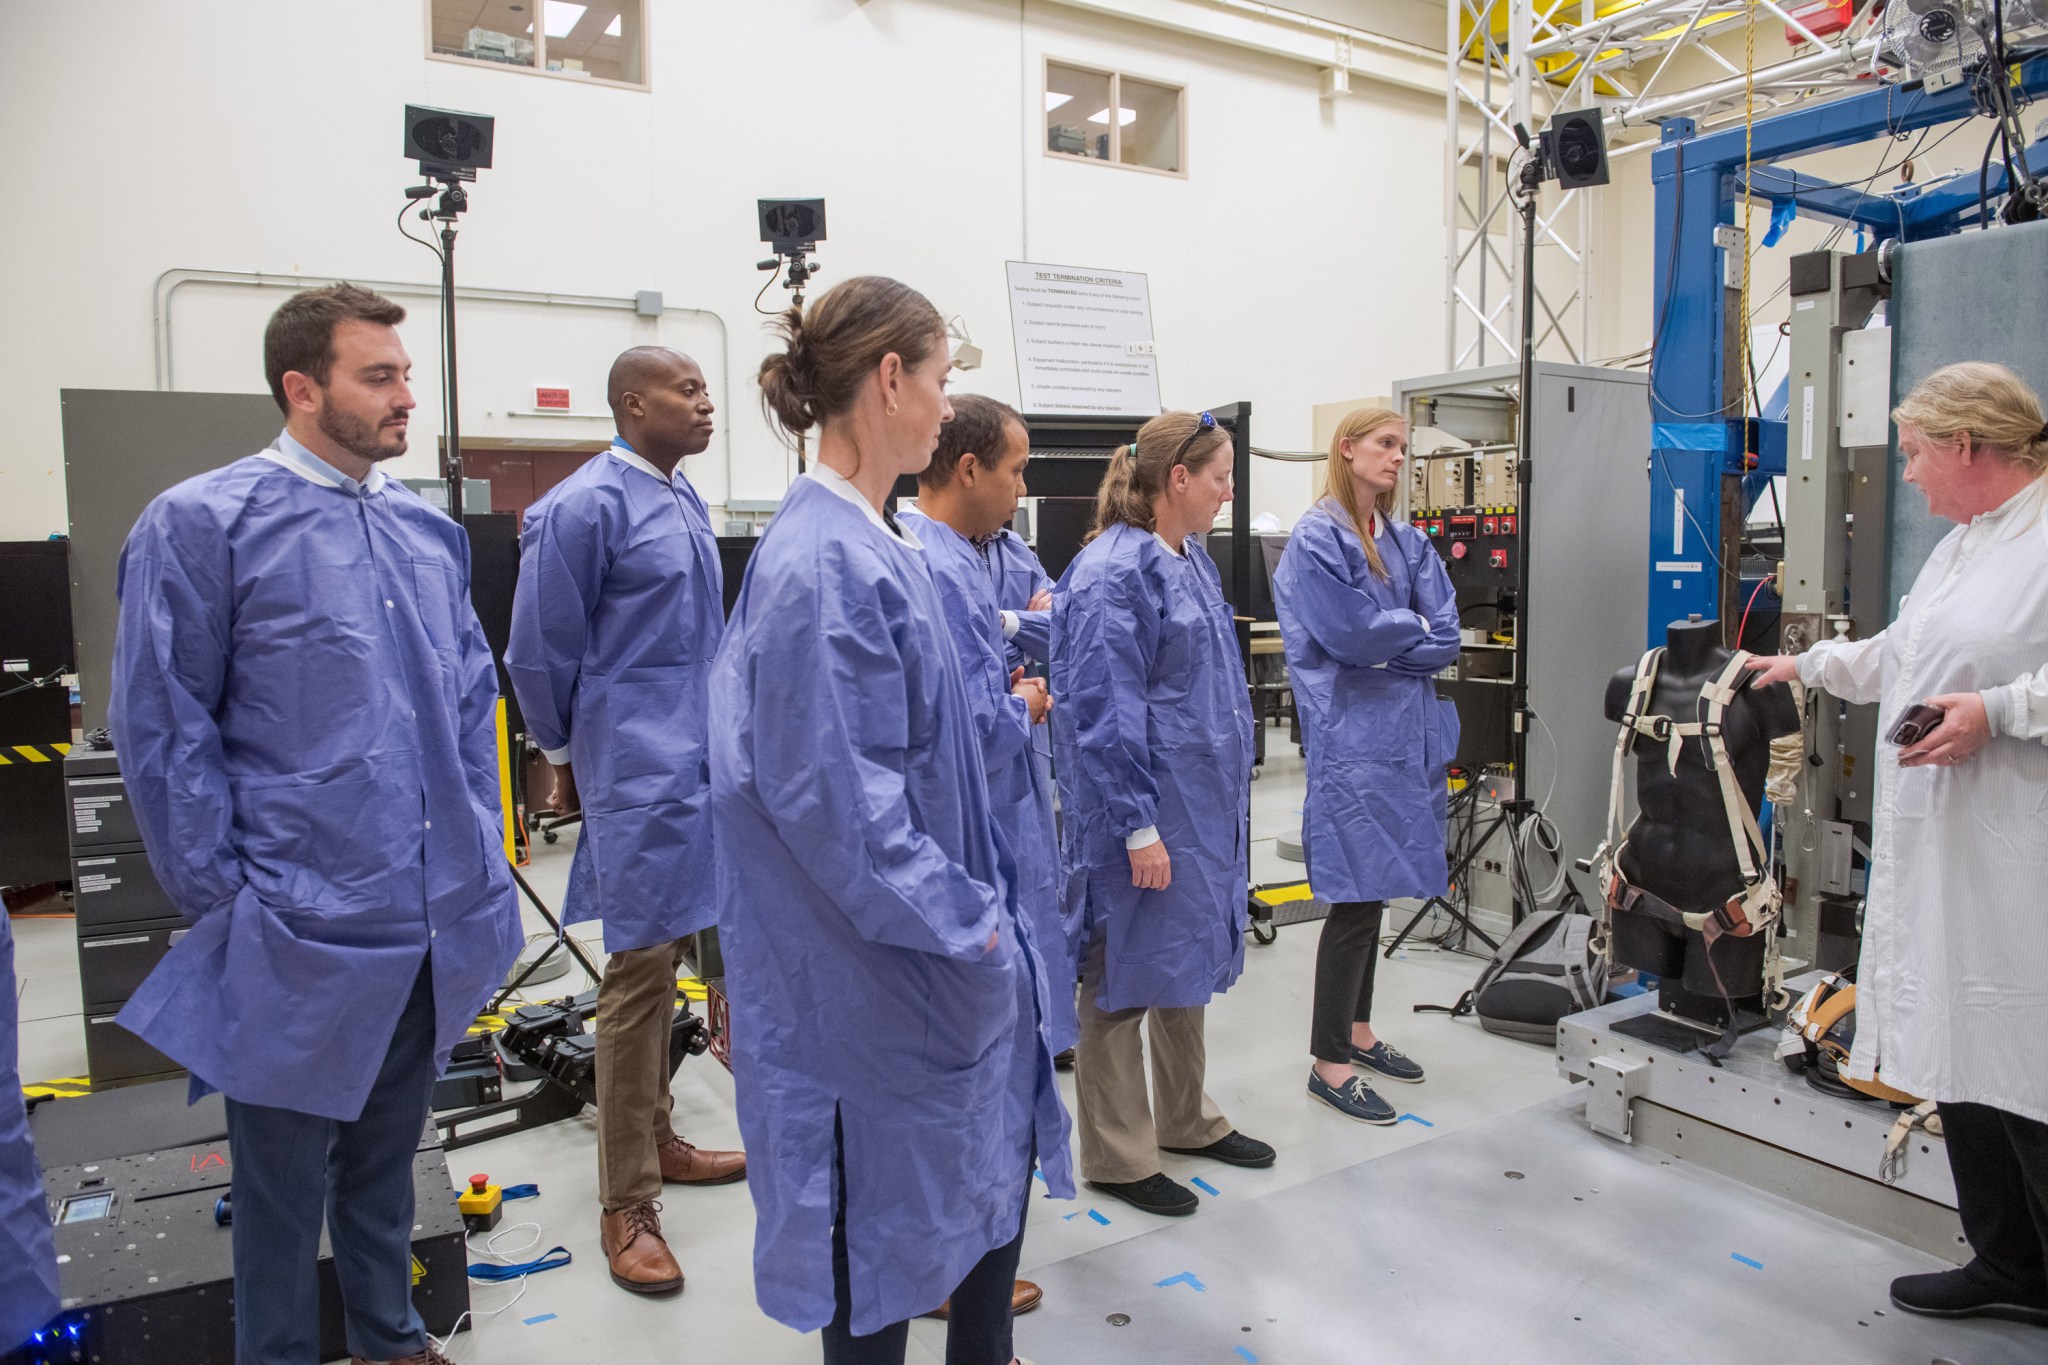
[{"x": 290, "y": 1168}]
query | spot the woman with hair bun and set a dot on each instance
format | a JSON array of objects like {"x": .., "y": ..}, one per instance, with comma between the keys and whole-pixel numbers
[
  {"x": 1952, "y": 989},
  {"x": 1154, "y": 770},
  {"x": 888, "y": 1009}
]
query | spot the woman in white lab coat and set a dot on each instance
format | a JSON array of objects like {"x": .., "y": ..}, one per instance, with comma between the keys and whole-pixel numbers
[{"x": 1952, "y": 990}]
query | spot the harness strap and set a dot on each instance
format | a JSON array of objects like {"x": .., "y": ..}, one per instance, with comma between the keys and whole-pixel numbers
[{"x": 1893, "y": 1164}]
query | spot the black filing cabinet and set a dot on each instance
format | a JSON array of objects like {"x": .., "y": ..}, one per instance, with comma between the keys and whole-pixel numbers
[{"x": 125, "y": 921}]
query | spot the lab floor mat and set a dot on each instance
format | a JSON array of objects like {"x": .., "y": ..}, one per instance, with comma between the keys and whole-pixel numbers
[{"x": 1527, "y": 1239}]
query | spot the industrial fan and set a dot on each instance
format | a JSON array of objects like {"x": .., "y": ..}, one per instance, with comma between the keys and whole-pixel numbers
[{"x": 1939, "y": 42}]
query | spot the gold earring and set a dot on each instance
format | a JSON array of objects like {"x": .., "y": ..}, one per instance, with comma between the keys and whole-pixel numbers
[{"x": 890, "y": 410}]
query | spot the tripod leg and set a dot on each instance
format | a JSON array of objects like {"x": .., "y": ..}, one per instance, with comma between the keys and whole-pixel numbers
[{"x": 568, "y": 940}]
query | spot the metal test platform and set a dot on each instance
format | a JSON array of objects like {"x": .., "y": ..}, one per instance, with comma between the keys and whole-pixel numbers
[{"x": 1754, "y": 1120}]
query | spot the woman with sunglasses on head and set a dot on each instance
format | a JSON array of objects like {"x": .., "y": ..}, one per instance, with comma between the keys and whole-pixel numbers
[
  {"x": 1367, "y": 615},
  {"x": 1154, "y": 771},
  {"x": 888, "y": 1006}
]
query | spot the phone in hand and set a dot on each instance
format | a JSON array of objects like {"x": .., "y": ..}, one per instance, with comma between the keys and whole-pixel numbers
[{"x": 1917, "y": 724}]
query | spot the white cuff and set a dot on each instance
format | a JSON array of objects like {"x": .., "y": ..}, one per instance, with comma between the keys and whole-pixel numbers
[
  {"x": 1998, "y": 703},
  {"x": 1144, "y": 838},
  {"x": 1010, "y": 624},
  {"x": 1810, "y": 664},
  {"x": 558, "y": 757}
]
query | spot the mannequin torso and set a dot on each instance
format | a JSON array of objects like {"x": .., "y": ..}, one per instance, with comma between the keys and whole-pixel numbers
[{"x": 1679, "y": 848}]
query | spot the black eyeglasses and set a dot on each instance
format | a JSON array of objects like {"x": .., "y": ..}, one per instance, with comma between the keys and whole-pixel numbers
[{"x": 1207, "y": 424}]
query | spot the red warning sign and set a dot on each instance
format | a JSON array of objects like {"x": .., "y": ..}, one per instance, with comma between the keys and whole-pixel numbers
[{"x": 556, "y": 400}]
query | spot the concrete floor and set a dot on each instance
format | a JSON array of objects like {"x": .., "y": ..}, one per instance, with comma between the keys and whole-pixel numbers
[{"x": 1487, "y": 1087}]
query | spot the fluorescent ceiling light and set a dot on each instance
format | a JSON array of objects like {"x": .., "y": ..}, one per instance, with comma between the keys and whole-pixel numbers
[
  {"x": 1124, "y": 117},
  {"x": 561, "y": 17},
  {"x": 1054, "y": 99},
  {"x": 616, "y": 26}
]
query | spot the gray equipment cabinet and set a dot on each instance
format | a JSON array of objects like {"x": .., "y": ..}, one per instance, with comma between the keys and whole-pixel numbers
[
  {"x": 125, "y": 921},
  {"x": 1591, "y": 430}
]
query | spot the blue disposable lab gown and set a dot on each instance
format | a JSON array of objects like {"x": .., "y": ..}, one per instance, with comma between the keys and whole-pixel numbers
[
  {"x": 1021, "y": 802},
  {"x": 1156, "y": 732},
  {"x": 859, "y": 877},
  {"x": 1360, "y": 656},
  {"x": 1019, "y": 578},
  {"x": 619, "y": 612},
  {"x": 28, "y": 1263},
  {"x": 304, "y": 708}
]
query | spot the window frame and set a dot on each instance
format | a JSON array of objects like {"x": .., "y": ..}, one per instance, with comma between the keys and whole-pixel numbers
[
  {"x": 540, "y": 52},
  {"x": 1116, "y": 132}
]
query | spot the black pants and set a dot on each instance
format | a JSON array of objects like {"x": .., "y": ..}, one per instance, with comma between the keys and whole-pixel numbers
[
  {"x": 2000, "y": 1161},
  {"x": 978, "y": 1318},
  {"x": 1345, "y": 959}
]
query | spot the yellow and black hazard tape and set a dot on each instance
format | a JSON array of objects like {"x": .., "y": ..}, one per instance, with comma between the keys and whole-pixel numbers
[
  {"x": 63, "y": 1088},
  {"x": 10, "y": 754},
  {"x": 689, "y": 987}
]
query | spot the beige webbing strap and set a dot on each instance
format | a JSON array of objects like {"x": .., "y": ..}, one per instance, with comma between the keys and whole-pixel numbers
[
  {"x": 1607, "y": 858},
  {"x": 1892, "y": 1164}
]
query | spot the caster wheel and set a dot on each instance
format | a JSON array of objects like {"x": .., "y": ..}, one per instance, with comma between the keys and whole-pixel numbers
[
  {"x": 1255, "y": 774},
  {"x": 1263, "y": 931},
  {"x": 549, "y": 836}
]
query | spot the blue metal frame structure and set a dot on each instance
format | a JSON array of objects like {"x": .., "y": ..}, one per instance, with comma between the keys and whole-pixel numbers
[{"x": 1695, "y": 441}]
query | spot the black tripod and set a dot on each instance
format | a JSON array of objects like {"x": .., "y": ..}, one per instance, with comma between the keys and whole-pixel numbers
[
  {"x": 1463, "y": 803},
  {"x": 801, "y": 268},
  {"x": 1514, "y": 815},
  {"x": 454, "y": 200}
]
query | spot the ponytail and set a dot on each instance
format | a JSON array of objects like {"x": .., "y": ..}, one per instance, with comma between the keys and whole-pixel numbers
[
  {"x": 1138, "y": 472},
  {"x": 1118, "y": 500},
  {"x": 789, "y": 381}
]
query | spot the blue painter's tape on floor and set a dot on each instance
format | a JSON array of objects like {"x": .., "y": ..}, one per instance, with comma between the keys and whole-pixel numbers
[
  {"x": 1039, "y": 1176},
  {"x": 1247, "y": 1355},
  {"x": 1098, "y": 1217},
  {"x": 1185, "y": 1277},
  {"x": 539, "y": 1318},
  {"x": 1070, "y": 1217},
  {"x": 1738, "y": 1256},
  {"x": 1415, "y": 1118},
  {"x": 1204, "y": 1186}
]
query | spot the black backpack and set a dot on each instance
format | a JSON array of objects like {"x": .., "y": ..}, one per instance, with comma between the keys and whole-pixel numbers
[{"x": 1545, "y": 970}]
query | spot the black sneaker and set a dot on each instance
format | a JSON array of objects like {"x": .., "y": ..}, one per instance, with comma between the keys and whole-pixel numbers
[
  {"x": 1393, "y": 1065},
  {"x": 1233, "y": 1147},
  {"x": 1154, "y": 1194},
  {"x": 1064, "y": 1061},
  {"x": 1354, "y": 1099},
  {"x": 1956, "y": 1294}
]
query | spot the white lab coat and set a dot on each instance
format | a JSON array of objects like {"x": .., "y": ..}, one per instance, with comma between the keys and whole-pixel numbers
[{"x": 1952, "y": 991}]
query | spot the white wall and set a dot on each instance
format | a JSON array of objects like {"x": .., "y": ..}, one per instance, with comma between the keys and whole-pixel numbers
[{"x": 1298, "y": 261}]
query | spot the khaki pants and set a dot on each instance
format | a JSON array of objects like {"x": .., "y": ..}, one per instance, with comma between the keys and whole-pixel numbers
[
  {"x": 1119, "y": 1140},
  {"x": 635, "y": 1008}
]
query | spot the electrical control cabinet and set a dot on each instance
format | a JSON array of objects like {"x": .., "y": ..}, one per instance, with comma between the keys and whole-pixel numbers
[{"x": 1587, "y": 546}]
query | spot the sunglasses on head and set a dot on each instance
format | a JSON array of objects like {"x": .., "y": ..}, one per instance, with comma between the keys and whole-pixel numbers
[{"x": 1207, "y": 424}]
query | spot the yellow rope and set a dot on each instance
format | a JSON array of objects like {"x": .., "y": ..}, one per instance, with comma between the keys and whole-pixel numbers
[{"x": 1748, "y": 380}]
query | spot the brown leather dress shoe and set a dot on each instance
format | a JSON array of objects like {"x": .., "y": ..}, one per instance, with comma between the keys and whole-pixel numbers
[
  {"x": 682, "y": 1164},
  {"x": 430, "y": 1356},
  {"x": 1024, "y": 1296},
  {"x": 638, "y": 1256}
]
